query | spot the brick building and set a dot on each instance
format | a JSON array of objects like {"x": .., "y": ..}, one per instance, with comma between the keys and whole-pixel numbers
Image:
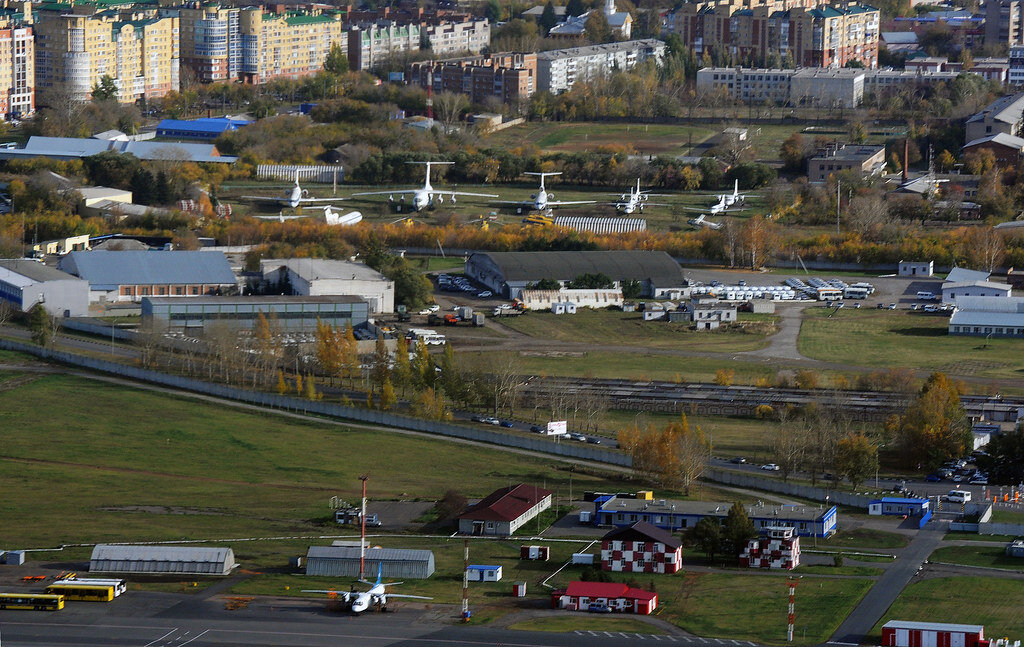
[
  {"x": 509, "y": 77},
  {"x": 641, "y": 548}
]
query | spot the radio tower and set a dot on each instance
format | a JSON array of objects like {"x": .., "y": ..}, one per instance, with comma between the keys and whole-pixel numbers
[
  {"x": 792, "y": 609},
  {"x": 362, "y": 533}
]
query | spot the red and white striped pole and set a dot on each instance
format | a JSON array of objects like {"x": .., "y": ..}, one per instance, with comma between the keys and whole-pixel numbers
[{"x": 792, "y": 609}]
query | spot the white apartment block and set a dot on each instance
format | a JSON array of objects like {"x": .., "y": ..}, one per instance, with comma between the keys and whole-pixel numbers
[
  {"x": 373, "y": 43},
  {"x": 559, "y": 69},
  {"x": 452, "y": 38}
]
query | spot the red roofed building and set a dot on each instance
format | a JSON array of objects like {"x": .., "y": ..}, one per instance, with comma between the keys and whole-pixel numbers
[
  {"x": 641, "y": 548},
  {"x": 619, "y": 597},
  {"x": 505, "y": 510}
]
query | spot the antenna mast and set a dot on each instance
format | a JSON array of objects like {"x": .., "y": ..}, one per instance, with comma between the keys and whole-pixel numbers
[{"x": 362, "y": 533}]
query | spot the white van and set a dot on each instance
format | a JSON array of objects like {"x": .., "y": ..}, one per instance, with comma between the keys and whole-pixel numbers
[
  {"x": 959, "y": 496},
  {"x": 925, "y": 296}
]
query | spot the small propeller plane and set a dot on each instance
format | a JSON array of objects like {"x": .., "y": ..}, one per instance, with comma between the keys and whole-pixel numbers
[
  {"x": 734, "y": 197},
  {"x": 426, "y": 195},
  {"x": 702, "y": 221},
  {"x": 331, "y": 217},
  {"x": 542, "y": 200},
  {"x": 377, "y": 596},
  {"x": 296, "y": 197},
  {"x": 636, "y": 200}
]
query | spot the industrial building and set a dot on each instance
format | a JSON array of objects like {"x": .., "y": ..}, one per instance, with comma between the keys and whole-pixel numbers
[
  {"x": 1004, "y": 115},
  {"x": 988, "y": 317},
  {"x": 505, "y": 510},
  {"x": 578, "y": 596},
  {"x": 902, "y": 506},
  {"x": 205, "y": 128},
  {"x": 24, "y": 283},
  {"x": 131, "y": 275},
  {"x": 546, "y": 299},
  {"x": 161, "y": 560},
  {"x": 916, "y": 268},
  {"x": 72, "y": 148},
  {"x": 509, "y": 273},
  {"x": 899, "y": 633},
  {"x": 865, "y": 160},
  {"x": 673, "y": 515},
  {"x": 598, "y": 225},
  {"x": 706, "y": 314},
  {"x": 325, "y": 277},
  {"x": 963, "y": 275},
  {"x": 641, "y": 548},
  {"x": 952, "y": 292},
  {"x": 343, "y": 561},
  {"x": 287, "y": 313}
]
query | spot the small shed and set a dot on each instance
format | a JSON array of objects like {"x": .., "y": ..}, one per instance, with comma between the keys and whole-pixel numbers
[
  {"x": 890, "y": 505},
  {"x": 343, "y": 561},
  {"x": 563, "y": 308},
  {"x": 483, "y": 573},
  {"x": 162, "y": 560},
  {"x": 538, "y": 553},
  {"x": 917, "y": 268},
  {"x": 519, "y": 589},
  {"x": 582, "y": 558}
]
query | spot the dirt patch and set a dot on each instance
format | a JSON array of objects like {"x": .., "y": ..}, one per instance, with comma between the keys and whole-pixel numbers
[
  {"x": 553, "y": 353},
  {"x": 15, "y": 382},
  {"x": 159, "y": 509}
]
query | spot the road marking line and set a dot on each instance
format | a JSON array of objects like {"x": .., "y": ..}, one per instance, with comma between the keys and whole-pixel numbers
[
  {"x": 640, "y": 636},
  {"x": 751, "y": 644},
  {"x": 608, "y": 634},
  {"x": 736, "y": 642},
  {"x": 194, "y": 638},
  {"x": 149, "y": 644}
]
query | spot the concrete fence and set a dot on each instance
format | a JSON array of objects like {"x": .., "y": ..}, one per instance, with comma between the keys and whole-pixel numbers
[
  {"x": 315, "y": 173},
  {"x": 328, "y": 409},
  {"x": 756, "y": 482},
  {"x": 989, "y": 528}
]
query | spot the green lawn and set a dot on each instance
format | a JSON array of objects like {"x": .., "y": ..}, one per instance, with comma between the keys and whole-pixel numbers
[
  {"x": 138, "y": 465},
  {"x": 882, "y": 338},
  {"x": 1007, "y": 516},
  {"x": 824, "y": 569},
  {"x": 988, "y": 556},
  {"x": 989, "y": 601},
  {"x": 565, "y": 136},
  {"x": 588, "y": 622},
  {"x": 630, "y": 329},
  {"x": 973, "y": 536},
  {"x": 867, "y": 538}
]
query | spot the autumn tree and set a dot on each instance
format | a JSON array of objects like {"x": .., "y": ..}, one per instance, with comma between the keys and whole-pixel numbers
[
  {"x": 758, "y": 237},
  {"x": 793, "y": 152},
  {"x": 386, "y": 399},
  {"x": 934, "y": 427},
  {"x": 856, "y": 458},
  {"x": 39, "y": 325},
  {"x": 724, "y": 377},
  {"x": 328, "y": 349},
  {"x": 984, "y": 247},
  {"x": 431, "y": 405},
  {"x": 268, "y": 345},
  {"x": 673, "y": 456},
  {"x": 787, "y": 444},
  {"x": 737, "y": 529},
  {"x": 380, "y": 366},
  {"x": 401, "y": 373},
  {"x": 349, "y": 354}
]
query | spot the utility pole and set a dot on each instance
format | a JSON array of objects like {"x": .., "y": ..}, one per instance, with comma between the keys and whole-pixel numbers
[
  {"x": 792, "y": 609},
  {"x": 465, "y": 582},
  {"x": 839, "y": 197},
  {"x": 362, "y": 533}
]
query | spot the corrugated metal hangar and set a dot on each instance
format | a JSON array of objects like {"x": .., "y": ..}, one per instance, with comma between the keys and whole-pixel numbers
[
  {"x": 343, "y": 561},
  {"x": 161, "y": 559}
]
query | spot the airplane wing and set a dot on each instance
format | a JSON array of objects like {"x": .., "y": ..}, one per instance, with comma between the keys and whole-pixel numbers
[
  {"x": 264, "y": 198},
  {"x": 525, "y": 203},
  {"x": 282, "y": 218},
  {"x": 414, "y": 597},
  {"x": 319, "y": 200},
  {"x": 641, "y": 204},
  {"x": 398, "y": 192},
  {"x": 344, "y": 595},
  {"x": 562, "y": 203},
  {"x": 479, "y": 195}
]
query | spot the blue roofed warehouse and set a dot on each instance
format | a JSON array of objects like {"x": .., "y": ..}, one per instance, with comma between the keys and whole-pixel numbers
[{"x": 131, "y": 275}]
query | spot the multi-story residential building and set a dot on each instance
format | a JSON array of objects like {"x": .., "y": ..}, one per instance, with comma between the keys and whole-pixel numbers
[
  {"x": 1004, "y": 115},
  {"x": 372, "y": 43},
  {"x": 17, "y": 61},
  {"x": 559, "y": 69},
  {"x": 211, "y": 44},
  {"x": 1004, "y": 22},
  {"x": 510, "y": 76},
  {"x": 286, "y": 45},
  {"x": 77, "y": 45},
  {"x": 1015, "y": 75},
  {"x": 447, "y": 38},
  {"x": 826, "y": 36},
  {"x": 747, "y": 84}
]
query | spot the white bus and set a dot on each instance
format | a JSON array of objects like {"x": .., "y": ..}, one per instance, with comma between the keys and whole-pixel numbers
[
  {"x": 120, "y": 586},
  {"x": 853, "y": 292},
  {"x": 830, "y": 294}
]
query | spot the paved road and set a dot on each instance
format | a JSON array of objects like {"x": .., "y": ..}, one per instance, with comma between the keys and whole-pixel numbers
[{"x": 888, "y": 587}]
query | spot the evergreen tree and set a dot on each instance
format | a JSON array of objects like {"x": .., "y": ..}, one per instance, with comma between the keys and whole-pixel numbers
[
  {"x": 142, "y": 186},
  {"x": 336, "y": 62},
  {"x": 737, "y": 530},
  {"x": 162, "y": 192},
  {"x": 39, "y": 324},
  {"x": 493, "y": 12},
  {"x": 548, "y": 19},
  {"x": 575, "y": 8},
  {"x": 105, "y": 89}
]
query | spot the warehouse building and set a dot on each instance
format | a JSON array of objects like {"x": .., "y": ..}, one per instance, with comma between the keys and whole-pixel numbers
[
  {"x": 988, "y": 317},
  {"x": 899, "y": 633},
  {"x": 24, "y": 283},
  {"x": 131, "y": 275},
  {"x": 159, "y": 560},
  {"x": 325, "y": 277},
  {"x": 953, "y": 292},
  {"x": 287, "y": 313},
  {"x": 505, "y": 510},
  {"x": 509, "y": 273},
  {"x": 673, "y": 515},
  {"x": 343, "y": 561}
]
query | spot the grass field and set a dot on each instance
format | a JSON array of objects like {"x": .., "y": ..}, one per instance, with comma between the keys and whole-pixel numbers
[
  {"x": 989, "y": 601},
  {"x": 138, "y": 465},
  {"x": 868, "y": 538},
  {"x": 824, "y": 569},
  {"x": 588, "y": 622},
  {"x": 1006, "y": 516},
  {"x": 651, "y": 139},
  {"x": 987, "y": 556},
  {"x": 728, "y": 435},
  {"x": 630, "y": 329},
  {"x": 906, "y": 339}
]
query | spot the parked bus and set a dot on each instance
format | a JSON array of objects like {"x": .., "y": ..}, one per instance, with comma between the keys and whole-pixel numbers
[
  {"x": 83, "y": 592},
  {"x": 31, "y": 601},
  {"x": 829, "y": 294},
  {"x": 853, "y": 292},
  {"x": 120, "y": 586}
]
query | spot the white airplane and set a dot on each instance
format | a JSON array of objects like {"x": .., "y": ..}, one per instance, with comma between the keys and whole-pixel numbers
[
  {"x": 542, "y": 200},
  {"x": 636, "y": 200},
  {"x": 426, "y": 195},
  {"x": 297, "y": 196},
  {"x": 359, "y": 601},
  {"x": 331, "y": 216},
  {"x": 734, "y": 197},
  {"x": 702, "y": 221}
]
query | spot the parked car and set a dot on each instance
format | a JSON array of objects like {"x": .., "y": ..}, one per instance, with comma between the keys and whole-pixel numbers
[
  {"x": 770, "y": 467},
  {"x": 477, "y": 418},
  {"x": 739, "y": 460},
  {"x": 597, "y": 607},
  {"x": 579, "y": 437},
  {"x": 934, "y": 477},
  {"x": 508, "y": 424},
  {"x": 900, "y": 487},
  {"x": 881, "y": 306},
  {"x": 538, "y": 429},
  {"x": 892, "y": 306},
  {"x": 486, "y": 294},
  {"x": 593, "y": 441},
  {"x": 490, "y": 420},
  {"x": 979, "y": 479},
  {"x": 434, "y": 308},
  {"x": 425, "y": 311},
  {"x": 857, "y": 305}
]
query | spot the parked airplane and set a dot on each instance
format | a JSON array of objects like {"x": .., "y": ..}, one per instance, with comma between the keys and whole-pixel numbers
[
  {"x": 636, "y": 200},
  {"x": 296, "y": 197},
  {"x": 426, "y": 195},
  {"x": 331, "y": 217},
  {"x": 702, "y": 221},
  {"x": 734, "y": 197},
  {"x": 542, "y": 200},
  {"x": 359, "y": 601}
]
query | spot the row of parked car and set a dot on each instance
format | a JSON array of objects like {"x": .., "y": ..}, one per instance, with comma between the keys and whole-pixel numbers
[
  {"x": 958, "y": 471},
  {"x": 449, "y": 283}
]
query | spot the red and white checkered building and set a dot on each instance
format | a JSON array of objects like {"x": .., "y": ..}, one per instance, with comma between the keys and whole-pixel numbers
[
  {"x": 777, "y": 547},
  {"x": 641, "y": 548}
]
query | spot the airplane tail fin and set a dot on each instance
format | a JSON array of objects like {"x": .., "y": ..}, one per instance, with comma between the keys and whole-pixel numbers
[{"x": 380, "y": 565}]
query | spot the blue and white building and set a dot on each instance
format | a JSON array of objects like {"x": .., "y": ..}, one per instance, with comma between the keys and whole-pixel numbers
[
  {"x": 902, "y": 506},
  {"x": 205, "y": 128}
]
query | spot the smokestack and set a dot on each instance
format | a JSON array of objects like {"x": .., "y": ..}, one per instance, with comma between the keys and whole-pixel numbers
[{"x": 906, "y": 157}]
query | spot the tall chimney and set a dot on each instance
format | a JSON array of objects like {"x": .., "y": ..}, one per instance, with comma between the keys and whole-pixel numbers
[{"x": 906, "y": 157}]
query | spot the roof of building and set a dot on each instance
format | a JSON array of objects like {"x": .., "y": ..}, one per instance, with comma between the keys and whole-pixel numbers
[
  {"x": 850, "y": 153},
  {"x": 657, "y": 267},
  {"x": 988, "y": 304},
  {"x": 825, "y": 72},
  {"x": 903, "y": 500},
  {"x": 642, "y": 529},
  {"x": 706, "y": 509},
  {"x": 535, "y": 12},
  {"x": 23, "y": 272},
  {"x": 592, "y": 50},
  {"x": 899, "y": 37},
  {"x": 215, "y": 300},
  {"x": 608, "y": 590},
  {"x": 976, "y": 284},
  {"x": 117, "y": 552},
  {"x": 74, "y": 147},
  {"x": 962, "y": 274},
  {"x": 933, "y": 626},
  {"x": 323, "y": 269},
  {"x": 1003, "y": 139},
  {"x": 108, "y": 270},
  {"x": 507, "y": 503},
  {"x": 987, "y": 318},
  {"x": 386, "y": 554},
  {"x": 1008, "y": 109},
  {"x": 483, "y": 567},
  {"x": 209, "y": 125},
  {"x": 103, "y": 193}
]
